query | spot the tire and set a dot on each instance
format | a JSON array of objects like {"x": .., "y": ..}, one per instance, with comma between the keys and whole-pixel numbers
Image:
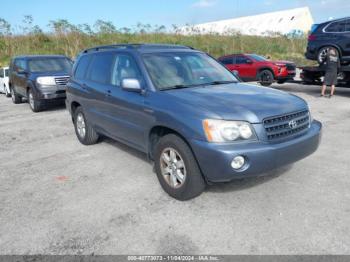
[
  {"x": 84, "y": 131},
  {"x": 16, "y": 99},
  {"x": 35, "y": 105},
  {"x": 266, "y": 77},
  {"x": 322, "y": 53},
  {"x": 189, "y": 182}
]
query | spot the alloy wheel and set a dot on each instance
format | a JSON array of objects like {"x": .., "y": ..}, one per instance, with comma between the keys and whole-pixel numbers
[
  {"x": 172, "y": 167},
  {"x": 31, "y": 99},
  {"x": 81, "y": 126}
]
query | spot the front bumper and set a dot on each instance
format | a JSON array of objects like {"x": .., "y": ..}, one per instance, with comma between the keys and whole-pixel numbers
[
  {"x": 215, "y": 159},
  {"x": 50, "y": 96}
]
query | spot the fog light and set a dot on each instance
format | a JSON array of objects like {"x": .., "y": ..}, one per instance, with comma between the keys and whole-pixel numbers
[{"x": 238, "y": 162}]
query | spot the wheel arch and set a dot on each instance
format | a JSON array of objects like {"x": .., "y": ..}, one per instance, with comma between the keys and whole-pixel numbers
[
  {"x": 158, "y": 131},
  {"x": 265, "y": 68},
  {"x": 340, "y": 52},
  {"x": 73, "y": 106}
]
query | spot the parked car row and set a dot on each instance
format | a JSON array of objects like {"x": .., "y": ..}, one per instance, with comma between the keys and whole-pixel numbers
[{"x": 191, "y": 116}]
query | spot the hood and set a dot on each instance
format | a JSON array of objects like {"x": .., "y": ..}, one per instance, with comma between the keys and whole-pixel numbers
[
  {"x": 239, "y": 101},
  {"x": 35, "y": 75}
]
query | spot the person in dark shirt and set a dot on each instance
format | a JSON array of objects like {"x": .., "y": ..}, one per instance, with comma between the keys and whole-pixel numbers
[{"x": 332, "y": 65}]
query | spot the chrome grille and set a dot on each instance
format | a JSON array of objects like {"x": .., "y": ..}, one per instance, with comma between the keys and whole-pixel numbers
[
  {"x": 62, "y": 81},
  {"x": 284, "y": 126}
]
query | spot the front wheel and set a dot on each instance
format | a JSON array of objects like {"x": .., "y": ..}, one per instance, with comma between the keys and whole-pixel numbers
[
  {"x": 34, "y": 104},
  {"x": 16, "y": 99},
  {"x": 266, "y": 78},
  {"x": 177, "y": 169},
  {"x": 84, "y": 131}
]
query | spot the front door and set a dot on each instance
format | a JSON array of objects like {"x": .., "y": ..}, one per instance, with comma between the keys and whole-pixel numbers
[
  {"x": 125, "y": 108},
  {"x": 20, "y": 77}
]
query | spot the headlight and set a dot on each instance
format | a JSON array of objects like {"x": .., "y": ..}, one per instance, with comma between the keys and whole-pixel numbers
[
  {"x": 218, "y": 131},
  {"x": 46, "y": 81}
]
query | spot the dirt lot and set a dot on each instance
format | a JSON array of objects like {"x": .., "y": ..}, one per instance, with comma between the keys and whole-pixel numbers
[{"x": 60, "y": 197}]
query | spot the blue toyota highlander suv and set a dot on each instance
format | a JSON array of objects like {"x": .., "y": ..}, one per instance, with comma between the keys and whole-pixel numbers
[{"x": 192, "y": 117}]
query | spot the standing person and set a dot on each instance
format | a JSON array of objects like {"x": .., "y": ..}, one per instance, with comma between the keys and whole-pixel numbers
[{"x": 332, "y": 65}]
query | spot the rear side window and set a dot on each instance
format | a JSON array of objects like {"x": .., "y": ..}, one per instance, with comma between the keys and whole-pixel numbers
[
  {"x": 1, "y": 73},
  {"x": 336, "y": 27},
  {"x": 80, "y": 71},
  {"x": 6, "y": 72},
  {"x": 227, "y": 61},
  {"x": 101, "y": 67},
  {"x": 347, "y": 26},
  {"x": 241, "y": 60}
]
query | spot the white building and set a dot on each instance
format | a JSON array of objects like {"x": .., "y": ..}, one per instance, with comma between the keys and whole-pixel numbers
[{"x": 294, "y": 21}]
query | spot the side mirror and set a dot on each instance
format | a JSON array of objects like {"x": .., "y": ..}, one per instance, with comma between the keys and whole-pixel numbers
[
  {"x": 131, "y": 85},
  {"x": 249, "y": 62}
]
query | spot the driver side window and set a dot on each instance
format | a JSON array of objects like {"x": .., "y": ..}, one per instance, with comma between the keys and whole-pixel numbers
[{"x": 124, "y": 67}]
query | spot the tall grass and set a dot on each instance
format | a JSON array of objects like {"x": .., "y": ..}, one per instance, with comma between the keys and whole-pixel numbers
[{"x": 69, "y": 40}]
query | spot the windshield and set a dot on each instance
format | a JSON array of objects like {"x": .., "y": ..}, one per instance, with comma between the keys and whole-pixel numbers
[
  {"x": 6, "y": 72},
  {"x": 258, "y": 58},
  {"x": 180, "y": 70},
  {"x": 41, "y": 65}
]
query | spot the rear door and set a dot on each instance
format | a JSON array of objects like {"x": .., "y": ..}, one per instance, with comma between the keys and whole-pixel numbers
[
  {"x": 228, "y": 63},
  {"x": 95, "y": 86},
  {"x": 347, "y": 39}
]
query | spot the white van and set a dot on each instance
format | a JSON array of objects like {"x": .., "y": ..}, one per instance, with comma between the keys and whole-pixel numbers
[{"x": 4, "y": 81}]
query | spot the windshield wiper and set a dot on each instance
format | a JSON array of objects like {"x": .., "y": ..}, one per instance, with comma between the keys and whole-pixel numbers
[
  {"x": 221, "y": 82},
  {"x": 175, "y": 87},
  {"x": 180, "y": 86}
]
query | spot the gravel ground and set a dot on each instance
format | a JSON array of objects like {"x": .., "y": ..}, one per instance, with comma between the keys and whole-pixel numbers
[{"x": 60, "y": 197}]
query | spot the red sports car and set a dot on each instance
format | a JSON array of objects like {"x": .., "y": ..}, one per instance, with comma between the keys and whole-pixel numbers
[{"x": 252, "y": 67}]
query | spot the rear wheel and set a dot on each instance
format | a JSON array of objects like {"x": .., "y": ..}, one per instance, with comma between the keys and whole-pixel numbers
[
  {"x": 84, "y": 131},
  {"x": 34, "y": 104},
  {"x": 322, "y": 54},
  {"x": 177, "y": 169},
  {"x": 266, "y": 77},
  {"x": 16, "y": 99}
]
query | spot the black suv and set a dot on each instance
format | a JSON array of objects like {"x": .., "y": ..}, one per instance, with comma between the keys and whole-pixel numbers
[
  {"x": 40, "y": 79},
  {"x": 335, "y": 33}
]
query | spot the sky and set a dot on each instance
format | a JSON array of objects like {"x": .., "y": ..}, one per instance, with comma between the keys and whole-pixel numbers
[{"x": 127, "y": 13}]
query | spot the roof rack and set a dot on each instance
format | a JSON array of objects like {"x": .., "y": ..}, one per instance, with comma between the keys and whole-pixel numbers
[
  {"x": 127, "y": 46},
  {"x": 103, "y": 47}
]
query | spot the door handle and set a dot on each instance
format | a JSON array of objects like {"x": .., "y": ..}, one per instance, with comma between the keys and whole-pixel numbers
[{"x": 108, "y": 93}]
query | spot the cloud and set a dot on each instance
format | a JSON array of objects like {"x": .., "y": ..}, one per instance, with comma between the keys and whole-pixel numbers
[{"x": 204, "y": 3}]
